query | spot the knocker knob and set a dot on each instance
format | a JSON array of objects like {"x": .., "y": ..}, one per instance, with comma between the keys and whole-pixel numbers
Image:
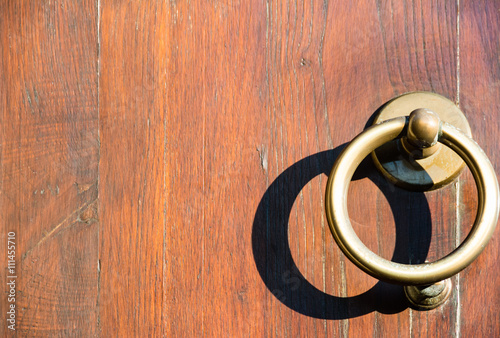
[{"x": 424, "y": 127}]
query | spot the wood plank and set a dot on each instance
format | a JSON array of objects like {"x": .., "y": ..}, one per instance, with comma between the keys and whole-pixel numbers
[
  {"x": 480, "y": 101},
  {"x": 188, "y": 95},
  {"x": 132, "y": 168},
  {"x": 216, "y": 127},
  {"x": 48, "y": 160}
]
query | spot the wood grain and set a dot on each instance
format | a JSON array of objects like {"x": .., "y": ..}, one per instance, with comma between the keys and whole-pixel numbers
[
  {"x": 132, "y": 168},
  {"x": 49, "y": 156},
  {"x": 216, "y": 75},
  {"x": 260, "y": 116},
  {"x": 164, "y": 164},
  {"x": 480, "y": 101}
]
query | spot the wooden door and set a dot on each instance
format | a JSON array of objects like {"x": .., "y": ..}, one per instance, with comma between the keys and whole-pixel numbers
[{"x": 163, "y": 165}]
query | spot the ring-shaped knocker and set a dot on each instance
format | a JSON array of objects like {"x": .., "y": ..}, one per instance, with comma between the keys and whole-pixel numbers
[{"x": 419, "y": 274}]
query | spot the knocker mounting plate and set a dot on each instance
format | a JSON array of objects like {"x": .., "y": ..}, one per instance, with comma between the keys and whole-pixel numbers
[{"x": 411, "y": 172}]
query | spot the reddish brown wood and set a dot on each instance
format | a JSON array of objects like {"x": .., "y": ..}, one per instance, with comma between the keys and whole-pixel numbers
[
  {"x": 49, "y": 161},
  {"x": 296, "y": 88},
  {"x": 132, "y": 193},
  {"x": 208, "y": 130},
  {"x": 368, "y": 64},
  {"x": 215, "y": 78},
  {"x": 480, "y": 101}
]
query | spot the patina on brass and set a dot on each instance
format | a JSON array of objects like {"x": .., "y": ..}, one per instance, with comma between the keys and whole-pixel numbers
[
  {"x": 428, "y": 297},
  {"x": 421, "y": 140},
  {"x": 415, "y": 166},
  {"x": 419, "y": 274}
]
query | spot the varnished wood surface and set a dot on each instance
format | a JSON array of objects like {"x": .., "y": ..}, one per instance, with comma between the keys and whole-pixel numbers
[
  {"x": 480, "y": 100},
  {"x": 49, "y": 164},
  {"x": 164, "y": 164}
]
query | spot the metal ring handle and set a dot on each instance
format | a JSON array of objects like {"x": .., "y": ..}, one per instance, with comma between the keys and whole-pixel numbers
[{"x": 419, "y": 274}]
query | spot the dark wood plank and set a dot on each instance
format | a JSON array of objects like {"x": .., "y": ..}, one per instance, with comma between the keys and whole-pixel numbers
[
  {"x": 480, "y": 101},
  {"x": 48, "y": 161}
]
